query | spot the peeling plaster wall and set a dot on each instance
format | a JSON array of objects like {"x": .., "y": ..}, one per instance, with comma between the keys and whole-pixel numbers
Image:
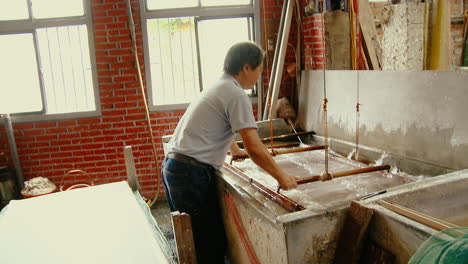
[
  {"x": 403, "y": 37},
  {"x": 420, "y": 115}
]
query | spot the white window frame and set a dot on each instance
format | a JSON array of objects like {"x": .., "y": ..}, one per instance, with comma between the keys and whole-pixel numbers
[
  {"x": 29, "y": 26},
  {"x": 201, "y": 13}
]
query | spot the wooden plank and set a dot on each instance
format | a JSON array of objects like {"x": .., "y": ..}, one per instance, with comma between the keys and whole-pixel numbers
[
  {"x": 337, "y": 41},
  {"x": 132, "y": 178},
  {"x": 183, "y": 235},
  {"x": 353, "y": 233},
  {"x": 464, "y": 57},
  {"x": 421, "y": 218},
  {"x": 369, "y": 34}
]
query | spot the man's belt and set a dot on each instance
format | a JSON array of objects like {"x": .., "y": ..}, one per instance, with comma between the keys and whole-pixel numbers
[{"x": 188, "y": 160}]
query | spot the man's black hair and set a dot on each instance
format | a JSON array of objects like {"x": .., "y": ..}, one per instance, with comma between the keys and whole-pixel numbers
[{"x": 241, "y": 54}]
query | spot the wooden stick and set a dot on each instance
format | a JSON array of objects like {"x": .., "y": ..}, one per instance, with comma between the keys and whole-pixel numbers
[
  {"x": 283, "y": 136},
  {"x": 275, "y": 152},
  {"x": 285, "y": 145},
  {"x": 344, "y": 173},
  {"x": 276, "y": 197},
  {"x": 294, "y": 150},
  {"x": 421, "y": 218}
]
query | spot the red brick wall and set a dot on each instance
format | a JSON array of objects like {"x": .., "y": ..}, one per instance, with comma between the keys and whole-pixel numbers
[
  {"x": 270, "y": 16},
  {"x": 4, "y": 151},
  {"x": 95, "y": 145},
  {"x": 314, "y": 43}
]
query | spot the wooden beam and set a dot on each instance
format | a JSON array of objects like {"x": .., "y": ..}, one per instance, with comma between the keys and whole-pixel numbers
[
  {"x": 421, "y": 218},
  {"x": 132, "y": 178},
  {"x": 353, "y": 233},
  {"x": 184, "y": 238},
  {"x": 369, "y": 34}
]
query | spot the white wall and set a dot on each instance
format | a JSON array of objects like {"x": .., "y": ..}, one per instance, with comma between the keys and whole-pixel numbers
[{"x": 421, "y": 115}]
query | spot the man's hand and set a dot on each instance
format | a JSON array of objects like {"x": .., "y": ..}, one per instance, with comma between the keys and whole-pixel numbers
[
  {"x": 288, "y": 182},
  {"x": 239, "y": 155}
]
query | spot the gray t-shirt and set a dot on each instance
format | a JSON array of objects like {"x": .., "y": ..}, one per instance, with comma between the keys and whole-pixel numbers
[{"x": 211, "y": 122}]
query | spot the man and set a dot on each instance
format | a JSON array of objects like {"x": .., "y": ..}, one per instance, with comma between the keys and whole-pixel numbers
[{"x": 200, "y": 143}]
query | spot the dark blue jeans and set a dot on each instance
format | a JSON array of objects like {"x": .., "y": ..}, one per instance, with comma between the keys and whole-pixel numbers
[{"x": 191, "y": 189}]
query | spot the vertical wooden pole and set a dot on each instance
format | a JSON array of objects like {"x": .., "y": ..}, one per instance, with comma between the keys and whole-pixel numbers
[{"x": 184, "y": 238}]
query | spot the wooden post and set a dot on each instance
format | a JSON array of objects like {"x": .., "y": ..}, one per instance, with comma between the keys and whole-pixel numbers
[
  {"x": 184, "y": 238},
  {"x": 353, "y": 233},
  {"x": 132, "y": 178},
  {"x": 369, "y": 34}
]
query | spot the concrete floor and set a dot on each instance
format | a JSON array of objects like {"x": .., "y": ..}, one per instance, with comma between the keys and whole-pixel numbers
[{"x": 162, "y": 214}]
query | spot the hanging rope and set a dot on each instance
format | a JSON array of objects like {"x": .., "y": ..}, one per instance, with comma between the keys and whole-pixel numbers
[
  {"x": 356, "y": 155},
  {"x": 140, "y": 78},
  {"x": 326, "y": 175}
]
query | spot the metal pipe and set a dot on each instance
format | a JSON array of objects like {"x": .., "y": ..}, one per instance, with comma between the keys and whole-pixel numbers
[
  {"x": 13, "y": 150},
  {"x": 343, "y": 173},
  {"x": 281, "y": 200}
]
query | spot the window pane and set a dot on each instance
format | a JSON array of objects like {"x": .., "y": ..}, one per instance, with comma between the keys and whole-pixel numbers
[
  {"x": 20, "y": 88},
  {"x": 224, "y": 2},
  {"x": 66, "y": 69},
  {"x": 57, "y": 8},
  {"x": 169, "y": 4},
  {"x": 14, "y": 10},
  {"x": 216, "y": 36},
  {"x": 173, "y": 60}
]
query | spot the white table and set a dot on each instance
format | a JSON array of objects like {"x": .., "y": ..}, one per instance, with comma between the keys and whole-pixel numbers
[{"x": 105, "y": 224}]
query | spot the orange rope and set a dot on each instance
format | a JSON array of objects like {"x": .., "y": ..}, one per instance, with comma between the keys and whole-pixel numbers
[
  {"x": 325, "y": 100},
  {"x": 356, "y": 155},
  {"x": 325, "y": 131},
  {"x": 238, "y": 223}
]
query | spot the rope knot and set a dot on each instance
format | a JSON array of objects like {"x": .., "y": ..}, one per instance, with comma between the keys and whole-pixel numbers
[{"x": 325, "y": 101}]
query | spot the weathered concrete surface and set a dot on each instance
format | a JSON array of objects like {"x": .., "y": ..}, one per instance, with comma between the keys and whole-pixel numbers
[
  {"x": 338, "y": 47},
  {"x": 419, "y": 115},
  {"x": 403, "y": 37}
]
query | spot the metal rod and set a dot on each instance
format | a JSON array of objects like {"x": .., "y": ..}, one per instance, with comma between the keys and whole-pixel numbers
[
  {"x": 14, "y": 150},
  {"x": 344, "y": 173},
  {"x": 281, "y": 200},
  {"x": 294, "y": 129}
]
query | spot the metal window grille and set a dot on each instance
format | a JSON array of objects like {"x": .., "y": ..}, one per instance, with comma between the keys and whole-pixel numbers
[
  {"x": 63, "y": 56},
  {"x": 178, "y": 51}
]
